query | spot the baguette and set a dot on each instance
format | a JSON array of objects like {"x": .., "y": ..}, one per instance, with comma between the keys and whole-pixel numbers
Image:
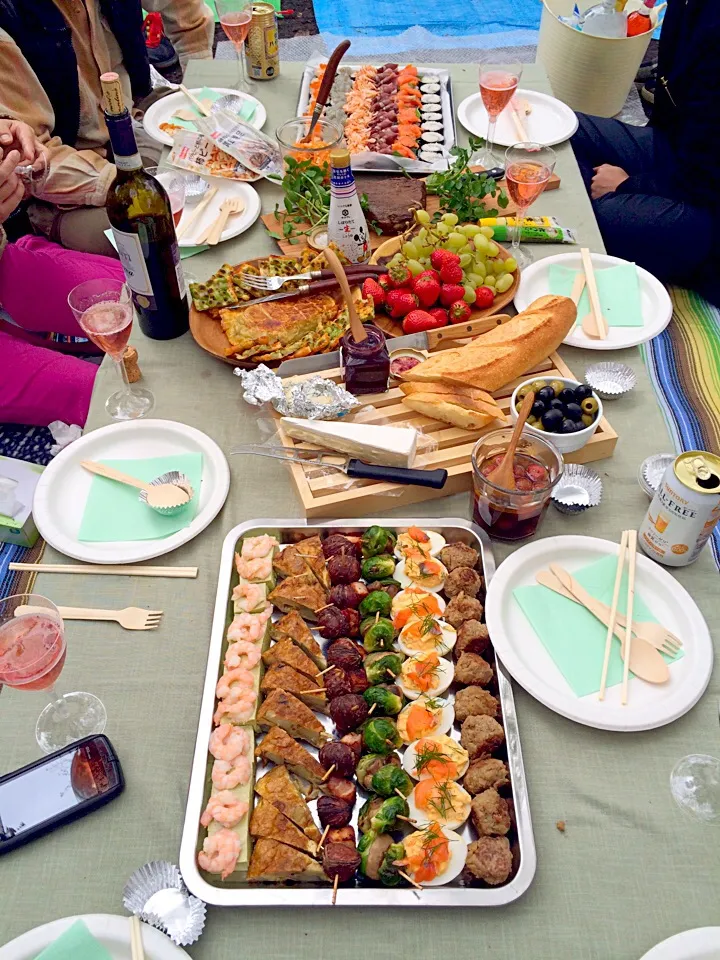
[
  {"x": 504, "y": 353},
  {"x": 461, "y": 406}
]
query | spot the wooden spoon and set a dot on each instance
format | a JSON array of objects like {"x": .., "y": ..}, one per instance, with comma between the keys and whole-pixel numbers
[
  {"x": 356, "y": 325},
  {"x": 503, "y": 475}
]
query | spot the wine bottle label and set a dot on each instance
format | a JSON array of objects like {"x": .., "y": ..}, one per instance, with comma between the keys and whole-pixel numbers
[
  {"x": 179, "y": 270},
  {"x": 129, "y": 163},
  {"x": 133, "y": 263}
]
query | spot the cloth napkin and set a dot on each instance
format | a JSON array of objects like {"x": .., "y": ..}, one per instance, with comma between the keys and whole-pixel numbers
[
  {"x": 113, "y": 512},
  {"x": 247, "y": 111},
  {"x": 618, "y": 289},
  {"x": 572, "y": 636},
  {"x": 77, "y": 943},
  {"x": 185, "y": 252}
]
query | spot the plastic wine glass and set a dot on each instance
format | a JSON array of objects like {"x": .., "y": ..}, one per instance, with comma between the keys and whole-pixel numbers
[
  {"x": 528, "y": 168},
  {"x": 104, "y": 310},
  {"x": 498, "y": 83},
  {"x": 695, "y": 786},
  {"x": 174, "y": 183},
  {"x": 235, "y": 17},
  {"x": 32, "y": 655},
  {"x": 33, "y": 175}
]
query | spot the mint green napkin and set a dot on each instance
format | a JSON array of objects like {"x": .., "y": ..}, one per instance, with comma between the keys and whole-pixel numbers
[
  {"x": 185, "y": 252},
  {"x": 77, "y": 943},
  {"x": 572, "y": 636},
  {"x": 247, "y": 111},
  {"x": 618, "y": 289},
  {"x": 113, "y": 512}
]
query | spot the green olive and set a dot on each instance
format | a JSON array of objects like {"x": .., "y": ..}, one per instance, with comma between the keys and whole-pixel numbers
[
  {"x": 588, "y": 419},
  {"x": 531, "y": 420},
  {"x": 536, "y": 385},
  {"x": 538, "y": 425},
  {"x": 518, "y": 406},
  {"x": 557, "y": 386},
  {"x": 590, "y": 405},
  {"x": 522, "y": 393}
]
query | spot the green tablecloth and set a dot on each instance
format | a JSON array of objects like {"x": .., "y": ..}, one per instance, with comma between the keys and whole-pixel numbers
[{"x": 628, "y": 871}]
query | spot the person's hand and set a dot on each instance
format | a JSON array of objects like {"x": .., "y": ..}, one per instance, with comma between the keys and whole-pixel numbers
[
  {"x": 16, "y": 135},
  {"x": 12, "y": 189},
  {"x": 606, "y": 180}
]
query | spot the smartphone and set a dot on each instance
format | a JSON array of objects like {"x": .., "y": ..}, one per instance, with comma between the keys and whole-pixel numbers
[{"x": 57, "y": 789}]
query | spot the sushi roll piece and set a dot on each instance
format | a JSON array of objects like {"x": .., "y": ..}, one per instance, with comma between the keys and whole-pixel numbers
[
  {"x": 431, "y": 148},
  {"x": 433, "y": 126},
  {"x": 429, "y": 88},
  {"x": 429, "y": 157},
  {"x": 431, "y": 98},
  {"x": 431, "y": 137}
]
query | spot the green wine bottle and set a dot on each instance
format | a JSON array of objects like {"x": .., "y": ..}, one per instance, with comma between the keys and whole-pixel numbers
[{"x": 142, "y": 223}]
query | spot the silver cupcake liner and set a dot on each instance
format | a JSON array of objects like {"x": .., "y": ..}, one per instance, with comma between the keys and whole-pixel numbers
[
  {"x": 157, "y": 894},
  {"x": 195, "y": 187},
  {"x": 610, "y": 379},
  {"x": 578, "y": 489},
  {"x": 652, "y": 470},
  {"x": 176, "y": 478}
]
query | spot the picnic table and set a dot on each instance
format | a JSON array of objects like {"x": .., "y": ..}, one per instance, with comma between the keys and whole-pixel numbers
[{"x": 630, "y": 868}]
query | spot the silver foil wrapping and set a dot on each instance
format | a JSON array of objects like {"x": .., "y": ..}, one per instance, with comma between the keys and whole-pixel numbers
[
  {"x": 157, "y": 894},
  {"x": 313, "y": 399}
]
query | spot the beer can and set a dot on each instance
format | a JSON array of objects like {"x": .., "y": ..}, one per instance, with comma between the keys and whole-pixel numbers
[
  {"x": 684, "y": 510},
  {"x": 261, "y": 43}
]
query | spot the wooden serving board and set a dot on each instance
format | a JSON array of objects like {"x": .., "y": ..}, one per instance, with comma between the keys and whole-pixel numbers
[{"x": 326, "y": 494}]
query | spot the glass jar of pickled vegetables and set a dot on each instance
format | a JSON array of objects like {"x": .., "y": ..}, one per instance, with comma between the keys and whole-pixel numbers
[{"x": 326, "y": 135}]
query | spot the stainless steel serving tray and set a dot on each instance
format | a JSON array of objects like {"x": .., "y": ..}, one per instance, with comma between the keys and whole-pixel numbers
[{"x": 363, "y": 893}]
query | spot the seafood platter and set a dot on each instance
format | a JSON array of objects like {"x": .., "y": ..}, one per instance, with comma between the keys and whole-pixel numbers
[
  {"x": 357, "y": 741},
  {"x": 392, "y": 115}
]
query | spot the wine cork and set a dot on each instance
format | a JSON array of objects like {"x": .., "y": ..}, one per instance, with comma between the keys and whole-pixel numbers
[
  {"x": 131, "y": 365},
  {"x": 112, "y": 94}
]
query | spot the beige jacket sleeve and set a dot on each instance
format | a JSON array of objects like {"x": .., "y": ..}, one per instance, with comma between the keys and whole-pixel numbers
[
  {"x": 189, "y": 24},
  {"x": 77, "y": 177}
]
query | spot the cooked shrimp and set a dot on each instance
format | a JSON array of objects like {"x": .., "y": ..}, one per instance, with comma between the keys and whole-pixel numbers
[
  {"x": 239, "y": 711},
  {"x": 225, "y": 808},
  {"x": 234, "y": 683},
  {"x": 249, "y": 595},
  {"x": 228, "y": 742},
  {"x": 256, "y": 547},
  {"x": 220, "y": 853},
  {"x": 247, "y": 626},
  {"x": 227, "y": 776},
  {"x": 255, "y": 570},
  {"x": 242, "y": 654}
]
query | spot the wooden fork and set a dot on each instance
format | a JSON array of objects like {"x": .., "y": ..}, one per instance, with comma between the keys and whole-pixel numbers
[
  {"x": 228, "y": 207},
  {"x": 131, "y": 618}
]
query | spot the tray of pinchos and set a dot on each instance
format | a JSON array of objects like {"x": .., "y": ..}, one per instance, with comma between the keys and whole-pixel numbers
[
  {"x": 391, "y": 115},
  {"x": 357, "y": 740}
]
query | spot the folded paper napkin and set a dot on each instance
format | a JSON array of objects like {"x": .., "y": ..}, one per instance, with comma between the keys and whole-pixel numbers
[
  {"x": 77, "y": 943},
  {"x": 247, "y": 111},
  {"x": 113, "y": 512},
  {"x": 572, "y": 636},
  {"x": 618, "y": 289}
]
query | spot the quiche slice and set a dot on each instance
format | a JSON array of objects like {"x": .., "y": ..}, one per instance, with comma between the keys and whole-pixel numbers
[
  {"x": 277, "y": 746},
  {"x": 282, "y": 677},
  {"x": 267, "y": 821},
  {"x": 274, "y": 862},
  {"x": 288, "y": 654},
  {"x": 281, "y": 709},
  {"x": 294, "y": 628},
  {"x": 279, "y": 789},
  {"x": 298, "y": 558},
  {"x": 302, "y": 593}
]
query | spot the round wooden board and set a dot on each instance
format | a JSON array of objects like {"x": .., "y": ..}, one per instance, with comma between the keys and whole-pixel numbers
[{"x": 394, "y": 327}]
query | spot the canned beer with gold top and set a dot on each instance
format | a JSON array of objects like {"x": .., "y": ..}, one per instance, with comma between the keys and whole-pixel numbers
[
  {"x": 261, "y": 43},
  {"x": 684, "y": 511}
]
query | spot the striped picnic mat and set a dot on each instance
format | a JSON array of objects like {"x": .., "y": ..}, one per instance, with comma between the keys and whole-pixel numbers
[{"x": 684, "y": 366}]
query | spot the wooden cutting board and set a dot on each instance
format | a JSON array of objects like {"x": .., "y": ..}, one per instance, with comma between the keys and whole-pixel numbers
[{"x": 432, "y": 206}]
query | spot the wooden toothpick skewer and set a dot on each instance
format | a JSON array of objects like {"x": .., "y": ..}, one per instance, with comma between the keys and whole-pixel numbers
[
  {"x": 399, "y": 792},
  {"x": 322, "y": 838},
  {"x": 632, "y": 551},
  {"x": 406, "y": 819},
  {"x": 335, "y": 886},
  {"x": 372, "y": 709},
  {"x": 330, "y": 770},
  {"x": 328, "y": 669},
  {"x": 410, "y": 880},
  {"x": 314, "y": 690},
  {"x": 613, "y": 614}
]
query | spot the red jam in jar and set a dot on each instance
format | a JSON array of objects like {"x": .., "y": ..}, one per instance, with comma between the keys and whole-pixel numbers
[{"x": 366, "y": 363}]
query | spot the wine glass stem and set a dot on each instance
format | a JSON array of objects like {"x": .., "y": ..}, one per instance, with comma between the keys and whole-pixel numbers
[
  {"x": 126, "y": 388},
  {"x": 57, "y": 700},
  {"x": 520, "y": 215},
  {"x": 492, "y": 121},
  {"x": 241, "y": 66}
]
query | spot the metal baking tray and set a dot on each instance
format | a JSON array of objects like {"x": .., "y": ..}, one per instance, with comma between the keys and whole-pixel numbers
[
  {"x": 363, "y": 893},
  {"x": 382, "y": 163}
]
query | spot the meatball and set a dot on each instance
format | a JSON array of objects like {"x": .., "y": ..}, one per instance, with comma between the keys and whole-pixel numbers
[
  {"x": 461, "y": 609},
  {"x": 340, "y": 860},
  {"x": 343, "y": 569},
  {"x": 338, "y": 813},
  {"x": 471, "y": 668},
  {"x": 463, "y": 580},
  {"x": 490, "y": 814},
  {"x": 486, "y": 773},
  {"x": 340, "y": 756},
  {"x": 472, "y": 637},
  {"x": 479, "y": 735},
  {"x": 455, "y": 555},
  {"x": 490, "y": 859},
  {"x": 475, "y": 702}
]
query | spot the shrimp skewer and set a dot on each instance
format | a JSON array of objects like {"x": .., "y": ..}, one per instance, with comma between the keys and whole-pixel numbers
[
  {"x": 220, "y": 853},
  {"x": 255, "y": 548},
  {"x": 240, "y": 711},
  {"x": 242, "y": 654},
  {"x": 233, "y": 684},
  {"x": 247, "y": 626},
  {"x": 227, "y": 776},
  {"x": 256, "y": 570},
  {"x": 228, "y": 742},
  {"x": 225, "y": 808}
]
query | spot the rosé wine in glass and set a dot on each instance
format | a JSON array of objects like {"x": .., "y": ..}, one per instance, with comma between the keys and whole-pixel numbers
[
  {"x": 528, "y": 168},
  {"x": 498, "y": 83},
  {"x": 235, "y": 19},
  {"x": 32, "y": 651},
  {"x": 110, "y": 323}
]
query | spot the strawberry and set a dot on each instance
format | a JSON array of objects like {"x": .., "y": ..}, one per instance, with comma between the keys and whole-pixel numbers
[
  {"x": 450, "y": 292},
  {"x": 429, "y": 273},
  {"x": 441, "y": 256},
  {"x": 418, "y": 320},
  {"x": 385, "y": 282},
  {"x": 426, "y": 288},
  {"x": 459, "y": 312},
  {"x": 451, "y": 273},
  {"x": 440, "y": 315},
  {"x": 371, "y": 290},
  {"x": 484, "y": 297},
  {"x": 399, "y": 275},
  {"x": 400, "y": 302}
]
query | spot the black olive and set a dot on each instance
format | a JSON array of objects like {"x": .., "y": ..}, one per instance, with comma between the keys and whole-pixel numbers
[
  {"x": 573, "y": 411},
  {"x": 569, "y": 426},
  {"x": 567, "y": 395},
  {"x": 537, "y": 409},
  {"x": 581, "y": 392},
  {"x": 556, "y": 405},
  {"x": 552, "y": 421},
  {"x": 546, "y": 394}
]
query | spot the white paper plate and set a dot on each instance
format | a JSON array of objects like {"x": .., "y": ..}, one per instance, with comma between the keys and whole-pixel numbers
[
  {"x": 654, "y": 301},
  {"x": 112, "y": 932},
  {"x": 520, "y": 649},
  {"x": 703, "y": 943},
  {"x": 63, "y": 487},
  {"x": 551, "y": 121},
  {"x": 238, "y": 223},
  {"x": 162, "y": 110}
]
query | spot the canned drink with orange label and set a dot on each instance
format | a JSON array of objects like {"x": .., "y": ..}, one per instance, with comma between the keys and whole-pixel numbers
[
  {"x": 261, "y": 43},
  {"x": 684, "y": 511}
]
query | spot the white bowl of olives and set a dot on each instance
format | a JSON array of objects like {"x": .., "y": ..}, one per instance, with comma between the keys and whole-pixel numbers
[{"x": 565, "y": 411}]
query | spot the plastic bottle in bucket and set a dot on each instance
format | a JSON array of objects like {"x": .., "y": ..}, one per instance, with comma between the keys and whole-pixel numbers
[{"x": 604, "y": 20}]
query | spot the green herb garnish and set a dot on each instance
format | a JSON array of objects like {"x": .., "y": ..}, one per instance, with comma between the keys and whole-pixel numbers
[{"x": 462, "y": 191}]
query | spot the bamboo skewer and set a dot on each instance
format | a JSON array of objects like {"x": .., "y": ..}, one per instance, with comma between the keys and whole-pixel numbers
[
  {"x": 314, "y": 690},
  {"x": 197, "y": 213},
  {"x": 335, "y": 888},
  {"x": 613, "y": 614},
  {"x": 409, "y": 880},
  {"x": 322, "y": 838},
  {"x": 328, "y": 669},
  {"x": 136, "y": 945},
  {"x": 632, "y": 556},
  {"x": 127, "y": 570},
  {"x": 372, "y": 709},
  {"x": 329, "y": 771}
]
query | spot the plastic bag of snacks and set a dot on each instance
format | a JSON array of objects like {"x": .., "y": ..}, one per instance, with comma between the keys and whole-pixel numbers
[
  {"x": 196, "y": 153},
  {"x": 251, "y": 147}
]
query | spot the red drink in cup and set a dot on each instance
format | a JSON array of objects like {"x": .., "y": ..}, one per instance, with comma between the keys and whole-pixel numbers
[{"x": 32, "y": 651}]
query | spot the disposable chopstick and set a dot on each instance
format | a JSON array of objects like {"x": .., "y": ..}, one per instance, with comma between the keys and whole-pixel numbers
[
  {"x": 136, "y": 945},
  {"x": 632, "y": 553},
  {"x": 600, "y": 324},
  {"x": 108, "y": 570},
  {"x": 194, "y": 101},
  {"x": 613, "y": 614},
  {"x": 518, "y": 123},
  {"x": 199, "y": 210}
]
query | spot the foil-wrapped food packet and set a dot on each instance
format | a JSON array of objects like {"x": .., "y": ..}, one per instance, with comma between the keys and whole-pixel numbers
[{"x": 314, "y": 399}]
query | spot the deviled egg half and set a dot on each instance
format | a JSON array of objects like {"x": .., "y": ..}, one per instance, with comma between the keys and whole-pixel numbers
[
  {"x": 426, "y": 673},
  {"x": 426, "y": 572},
  {"x": 434, "y": 855},
  {"x": 444, "y": 802},
  {"x": 426, "y": 635},
  {"x": 417, "y": 543},
  {"x": 415, "y": 603},
  {"x": 438, "y": 757},
  {"x": 424, "y": 717}
]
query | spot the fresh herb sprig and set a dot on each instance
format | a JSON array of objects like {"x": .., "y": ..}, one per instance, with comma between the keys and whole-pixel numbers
[{"x": 463, "y": 192}]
